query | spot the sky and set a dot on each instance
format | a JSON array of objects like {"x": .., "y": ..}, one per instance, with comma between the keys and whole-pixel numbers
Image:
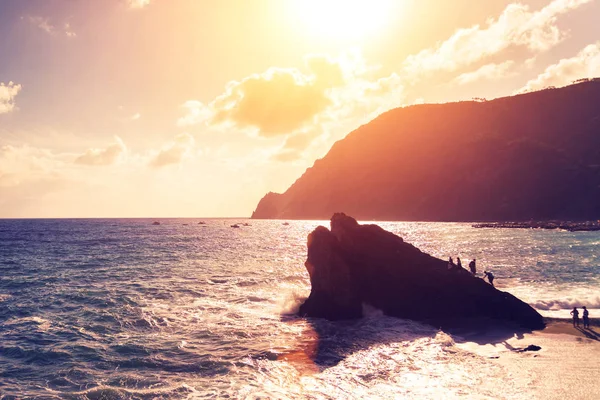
[{"x": 198, "y": 108}]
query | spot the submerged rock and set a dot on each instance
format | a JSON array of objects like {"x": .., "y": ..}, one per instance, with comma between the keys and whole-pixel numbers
[{"x": 354, "y": 264}]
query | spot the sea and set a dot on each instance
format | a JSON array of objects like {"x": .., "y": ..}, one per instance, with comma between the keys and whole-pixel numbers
[{"x": 198, "y": 309}]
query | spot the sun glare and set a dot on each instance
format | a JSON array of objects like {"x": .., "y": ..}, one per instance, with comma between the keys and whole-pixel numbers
[{"x": 343, "y": 19}]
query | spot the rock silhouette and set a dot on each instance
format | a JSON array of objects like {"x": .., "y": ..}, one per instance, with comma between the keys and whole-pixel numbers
[
  {"x": 534, "y": 156},
  {"x": 351, "y": 265}
]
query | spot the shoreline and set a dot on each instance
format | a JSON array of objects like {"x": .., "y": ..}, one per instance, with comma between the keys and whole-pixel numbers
[
  {"x": 571, "y": 226},
  {"x": 566, "y": 365},
  {"x": 556, "y": 326}
]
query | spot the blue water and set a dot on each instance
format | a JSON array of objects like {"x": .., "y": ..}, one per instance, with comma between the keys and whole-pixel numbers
[{"x": 121, "y": 308}]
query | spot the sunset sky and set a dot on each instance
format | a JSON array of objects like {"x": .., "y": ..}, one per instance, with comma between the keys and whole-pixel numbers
[{"x": 194, "y": 108}]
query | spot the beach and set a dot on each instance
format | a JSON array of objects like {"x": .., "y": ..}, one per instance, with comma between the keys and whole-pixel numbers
[{"x": 566, "y": 367}]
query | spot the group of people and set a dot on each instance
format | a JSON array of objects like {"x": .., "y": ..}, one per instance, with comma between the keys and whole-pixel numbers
[
  {"x": 586, "y": 317},
  {"x": 472, "y": 268}
]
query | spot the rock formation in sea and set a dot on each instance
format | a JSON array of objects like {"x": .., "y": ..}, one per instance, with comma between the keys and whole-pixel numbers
[
  {"x": 531, "y": 156},
  {"x": 353, "y": 265}
]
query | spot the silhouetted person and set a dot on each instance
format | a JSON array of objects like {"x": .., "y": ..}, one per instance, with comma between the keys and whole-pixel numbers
[
  {"x": 490, "y": 277},
  {"x": 458, "y": 263},
  {"x": 575, "y": 315},
  {"x": 472, "y": 267},
  {"x": 450, "y": 263},
  {"x": 586, "y": 318}
]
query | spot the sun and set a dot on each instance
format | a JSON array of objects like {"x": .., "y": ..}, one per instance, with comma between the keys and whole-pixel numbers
[{"x": 343, "y": 19}]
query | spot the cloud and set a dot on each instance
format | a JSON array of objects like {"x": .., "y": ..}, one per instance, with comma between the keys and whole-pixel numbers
[
  {"x": 45, "y": 25},
  {"x": 488, "y": 71},
  {"x": 174, "y": 152},
  {"x": 295, "y": 144},
  {"x": 138, "y": 4},
  {"x": 516, "y": 26},
  {"x": 8, "y": 92},
  {"x": 586, "y": 64},
  {"x": 68, "y": 31},
  {"x": 279, "y": 101},
  {"x": 135, "y": 116},
  {"x": 197, "y": 113},
  {"x": 287, "y": 156},
  {"x": 23, "y": 163},
  {"x": 327, "y": 73},
  {"x": 106, "y": 156}
]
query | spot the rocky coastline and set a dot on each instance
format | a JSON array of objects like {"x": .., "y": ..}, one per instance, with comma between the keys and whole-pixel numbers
[{"x": 564, "y": 225}]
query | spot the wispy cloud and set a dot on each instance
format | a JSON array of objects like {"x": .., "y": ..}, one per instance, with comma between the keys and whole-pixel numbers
[
  {"x": 8, "y": 92},
  {"x": 174, "y": 152},
  {"x": 488, "y": 71},
  {"x": 45, "y": 25},
  {"x": 105, "y": 156},
  {"x": 586, "y": 64},
  {"x": 516, "y": 26},
  {"x": 138, "y": 4}
]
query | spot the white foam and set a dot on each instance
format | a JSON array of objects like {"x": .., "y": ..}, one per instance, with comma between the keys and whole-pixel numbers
[{"x": 290, "y": 302}]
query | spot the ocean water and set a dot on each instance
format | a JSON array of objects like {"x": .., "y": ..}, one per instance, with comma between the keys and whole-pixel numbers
[{"x": 119, "y": 309}]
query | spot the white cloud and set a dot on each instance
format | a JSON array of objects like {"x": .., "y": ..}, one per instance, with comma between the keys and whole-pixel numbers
[
  {"x": 8, "y": 92},
  {"x": 516, "y": 26},
  {"x": 44, "y": 24},
  {"x": 22, "y": 164},
  {"x": 138, "y": 4},
  {"x": 197, "y": 113},
  {"x": 488, "y": 71},
  {"x": 586, "y": 64},
  {"x": 174, "y": 152},
  {"x": 68, "y": 30},
  {"x": 106, "y": 156}
]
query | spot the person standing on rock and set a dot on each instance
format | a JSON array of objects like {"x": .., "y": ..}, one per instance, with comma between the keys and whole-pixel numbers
[
  {"x": 451, "y": 263},
  {"x": 472, "y": 267},
  {"x": 586, "y": 318},
  {"x": 490, "y": 277},
  {"x": 575, "y": 315},
  {"x": 458, "y": 263}
]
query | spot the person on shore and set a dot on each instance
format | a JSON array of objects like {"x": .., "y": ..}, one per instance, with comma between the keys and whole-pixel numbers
[
  {"x": 472, "y": 267},
  {"x": 586, "y": 318},
  {"x": 458, "y": 263},
  {"x": 490, "y": 277},
  {"x": 575, "y": 314}
]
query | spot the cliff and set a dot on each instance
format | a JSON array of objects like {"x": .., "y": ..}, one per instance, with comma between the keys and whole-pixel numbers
[{"x": 530, "y": 156}]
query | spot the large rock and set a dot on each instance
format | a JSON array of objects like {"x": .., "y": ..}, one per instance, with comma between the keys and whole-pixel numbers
[{"x": 354, "y": 264}]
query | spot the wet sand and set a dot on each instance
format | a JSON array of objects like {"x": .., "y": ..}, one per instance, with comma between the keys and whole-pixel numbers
[
  {"x": 566, "y": 367},
  {"x": 566, "y": 327}
]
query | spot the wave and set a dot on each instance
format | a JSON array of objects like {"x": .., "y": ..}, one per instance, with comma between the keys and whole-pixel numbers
[
  {"x": 111, "y": 392},
  {"x": 566, "y": 303},
  {"x": 290, "y": 303}
]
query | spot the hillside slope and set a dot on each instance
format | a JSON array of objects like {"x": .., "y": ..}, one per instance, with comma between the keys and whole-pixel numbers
[{"x": 531, "y": 156}]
